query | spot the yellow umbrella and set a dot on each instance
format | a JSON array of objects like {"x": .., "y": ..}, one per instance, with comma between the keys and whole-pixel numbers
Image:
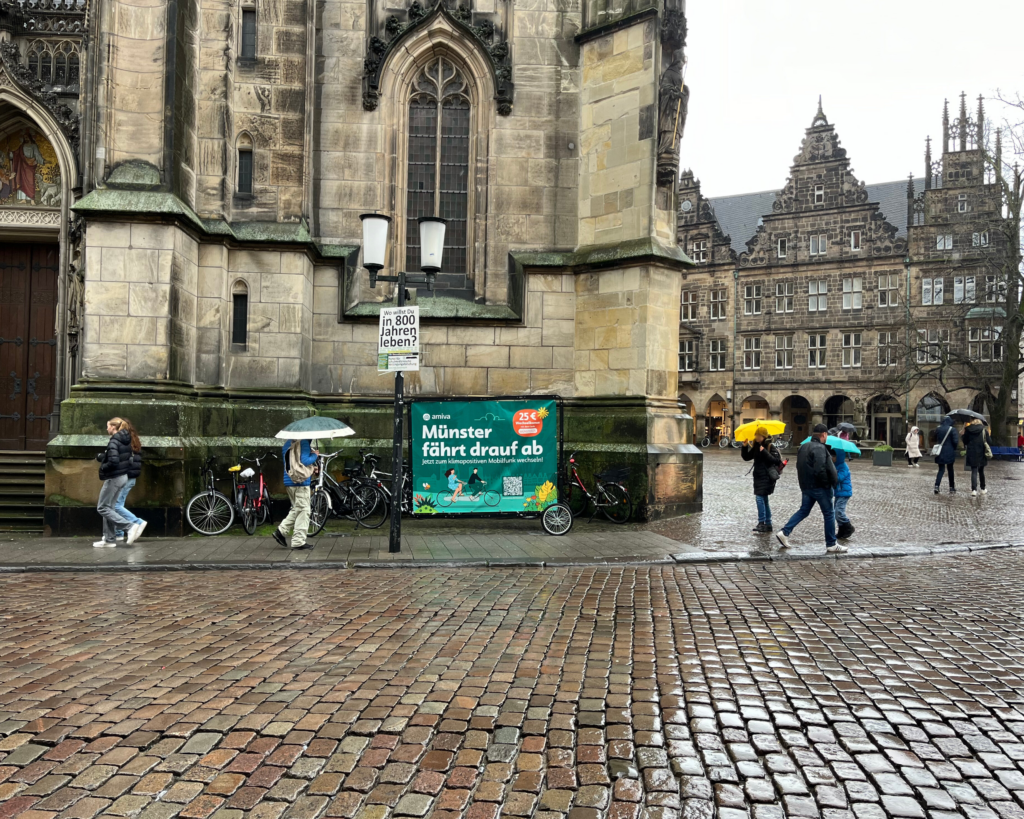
[{"x": 745, "y": 432}]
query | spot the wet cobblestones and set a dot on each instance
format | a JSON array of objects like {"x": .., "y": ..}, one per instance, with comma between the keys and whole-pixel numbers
[{"x": 878, "y": 688}]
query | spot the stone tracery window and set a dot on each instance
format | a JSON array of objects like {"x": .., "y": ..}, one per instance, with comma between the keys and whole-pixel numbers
[
  {"x": 438, "y": 165},
  {"x": 54, "y": 62}
]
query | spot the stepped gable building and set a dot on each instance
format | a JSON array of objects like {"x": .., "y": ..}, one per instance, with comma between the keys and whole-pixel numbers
[
  {"x": 798, "y": 309},
  {"x": 180, "y": 192}
]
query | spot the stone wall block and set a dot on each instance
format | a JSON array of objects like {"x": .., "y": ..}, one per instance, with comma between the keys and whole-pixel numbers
[
  {"x": 106, "y": 298},
  {"x": 529, "y": 357},
  {"x": 159, "y": 237},
  {"x": 508, "y": 382},
  {"x": 283, "y": 289},
  {"x": 486, "y": 355},
  {"x": 148, "y": 362},
  {"x": 464, "y": 381}
]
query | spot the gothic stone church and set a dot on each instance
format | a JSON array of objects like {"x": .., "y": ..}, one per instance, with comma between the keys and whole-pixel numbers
[{"x": 180, "y": 189}]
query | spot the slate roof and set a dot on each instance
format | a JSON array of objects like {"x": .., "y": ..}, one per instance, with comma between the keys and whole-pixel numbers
[{"x": 738, "y": 215}]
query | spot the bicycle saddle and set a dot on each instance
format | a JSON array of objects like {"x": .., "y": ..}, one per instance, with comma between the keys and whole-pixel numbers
[
  {"x": 247, "y": 474},
  {"x": 237, "y": 468}
]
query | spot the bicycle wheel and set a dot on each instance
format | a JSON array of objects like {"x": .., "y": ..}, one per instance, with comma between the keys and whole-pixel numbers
[
  {"x": 444, "y": 498},
  {"x": 557, "y": 519},
  {"x": 723, "y": 442},
  {"x": 576, "y": 499},
  {"x": 614, "y": 502},
  {"x": 249, "y": 516},
  {"x": 705, "y": 442},
  {"x": 491, "y": 498},
  {"x": 210, "y": 513},
  {"x": 736, "y": 444},
  {"x": 370, "y": 506},
  {"x": 264, "y": 508},
  {"x": 319, "y": 512}
]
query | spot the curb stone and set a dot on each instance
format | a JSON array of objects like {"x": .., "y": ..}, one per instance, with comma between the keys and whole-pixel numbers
[{"x": 681, "y": 558}]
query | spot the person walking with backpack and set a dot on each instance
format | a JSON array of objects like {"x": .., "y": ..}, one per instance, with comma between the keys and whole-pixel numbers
[
  {"x": 134, "y": 471},
  {"x": 977, "y": 445},
  {"x": 766, "y": 458},
  {"x": 818, "y": 478},
  {"x": 298, "y": 458},
  {"x": 115, "y": 461},
  {"x": 947, "y": 439}
]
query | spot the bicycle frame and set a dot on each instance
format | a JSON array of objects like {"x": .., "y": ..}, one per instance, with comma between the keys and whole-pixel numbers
[{"x": 579, "y": 482}]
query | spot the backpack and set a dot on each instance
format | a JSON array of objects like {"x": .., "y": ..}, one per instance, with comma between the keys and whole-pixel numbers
[{"x": 298, "y": 472}]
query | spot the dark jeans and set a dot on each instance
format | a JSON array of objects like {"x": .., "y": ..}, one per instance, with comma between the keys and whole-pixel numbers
[
  {"x": 764, "y": 509},
  {"x": 938, "y": 478},
  {"x": 977, "y": 472},
  {"x": 822, "y": 497}
]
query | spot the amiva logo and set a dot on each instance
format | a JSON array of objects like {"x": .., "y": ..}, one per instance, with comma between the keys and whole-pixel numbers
[{"x": 428, "y": 417}]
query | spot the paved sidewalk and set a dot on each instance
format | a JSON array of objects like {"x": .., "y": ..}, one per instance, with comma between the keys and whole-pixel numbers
[{"x": 893, "y": 509}]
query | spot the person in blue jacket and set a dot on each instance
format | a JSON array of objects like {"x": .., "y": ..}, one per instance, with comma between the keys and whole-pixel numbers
[
  {"x": 843, "y": 491},
  {"x": 297, "y": 478}
]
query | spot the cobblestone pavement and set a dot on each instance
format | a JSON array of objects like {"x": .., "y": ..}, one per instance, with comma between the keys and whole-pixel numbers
[
  {"x": 846, "y": 690},
  {"x": 891, "y": 507}
]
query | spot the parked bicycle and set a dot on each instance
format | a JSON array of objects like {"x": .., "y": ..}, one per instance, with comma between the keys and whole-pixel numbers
[
  {"x": 717, "y": 437},
  {"x": 383, "y": 481},
  {"x": 211, "y": 512},
  {"x": 610, "y": 497},
  {"x": 356, "y": 497}
]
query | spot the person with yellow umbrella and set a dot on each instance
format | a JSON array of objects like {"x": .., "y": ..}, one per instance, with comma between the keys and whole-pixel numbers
[{"x": 768, "y": 464}]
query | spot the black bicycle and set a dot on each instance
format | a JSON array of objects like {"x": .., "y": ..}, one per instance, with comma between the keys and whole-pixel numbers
[
  {"x": 355, "y": 497},
  {"x": 610, "y": 497},
  {"x": 211, "y": 512}
]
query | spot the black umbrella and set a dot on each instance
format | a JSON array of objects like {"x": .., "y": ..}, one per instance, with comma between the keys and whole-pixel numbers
[
  {"x": 846, "y": 426},
  {"x": 966, "y": 413}
]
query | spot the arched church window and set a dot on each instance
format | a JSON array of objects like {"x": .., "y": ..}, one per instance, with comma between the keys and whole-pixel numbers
[
  {"x": 60, "y": 68},
  {"x": 244, "y": 183},
  {"x": 33, "y": 62},
  {"x": 438, "y": 176},
  {"x": 72, "y": 69},
  {"x": 239, "y": 316},
  {"x": 46, "y": 67}
]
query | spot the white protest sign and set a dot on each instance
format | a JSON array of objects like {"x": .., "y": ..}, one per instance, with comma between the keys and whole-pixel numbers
[{"x": 398, "y": 340}]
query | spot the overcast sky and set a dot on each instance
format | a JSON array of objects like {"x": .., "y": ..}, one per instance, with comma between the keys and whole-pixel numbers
[{"x": 883, "y": 67}]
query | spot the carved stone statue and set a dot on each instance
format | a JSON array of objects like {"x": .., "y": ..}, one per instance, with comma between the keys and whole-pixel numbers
[{"x": 673, "y": 95}]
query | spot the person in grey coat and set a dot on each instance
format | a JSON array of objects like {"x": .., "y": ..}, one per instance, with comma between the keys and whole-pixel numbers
[
  {"x": 975, "y": 437},
  {"x": 948, "y": 438}
]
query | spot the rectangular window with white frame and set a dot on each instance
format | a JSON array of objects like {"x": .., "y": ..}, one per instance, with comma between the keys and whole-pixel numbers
[
  {"x": 855, "y": 240},
  {"x": 784, "y": 352},
  {"x": 688, "y": 306},
  {"x": 970, "y": 292},
  {"x": 979, "y": 238},
  {"x": 995, "y": 290},
  {"x": 938, "y": 290},
  {"x": 784, "y": 297},
  {"x": 687, "y": 355},
  {"x": 851, "y": 349},
  {"x": 819, "y": 194},
  {"x": 752, "y": 300},
  {"x": 853, "y": 293},
  {"x": 700, "y": 251},
  {"x": 944, "y": 241},
  {"x": 817, "y": 296},
  {"x": 985, "y": 344},
  {"x": 926, "y": 291},
  {"x": 819, "y": 244},
  {"x": 888, "y": 289},
  {"x": 958, "y": 290},
  {"x": 781, "y": 247},
  {"x": 961, "y": 203},
  {"x": 932, "y": 346},
  {"x": 888, "y": 355},
  {"x": 816, "y": 348},
  {"x": 752, "y": 353},
  {"x": 717, "y": 305},
  {"x": 716, "y": 360}
]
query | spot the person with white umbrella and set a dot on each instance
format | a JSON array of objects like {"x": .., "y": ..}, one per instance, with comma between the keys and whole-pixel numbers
[{"x": 299, "y": 458}]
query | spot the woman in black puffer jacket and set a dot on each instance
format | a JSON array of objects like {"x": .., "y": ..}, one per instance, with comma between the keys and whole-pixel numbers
[
  {"x": 115, "y": 462},
  {"x": 765, "y": 456}
]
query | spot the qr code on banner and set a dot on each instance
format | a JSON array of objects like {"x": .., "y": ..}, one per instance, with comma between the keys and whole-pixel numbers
[{"x": 512, "y": 487}]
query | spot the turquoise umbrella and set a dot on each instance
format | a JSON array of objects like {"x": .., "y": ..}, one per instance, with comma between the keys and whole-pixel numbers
[
  {"x": 315, "y": 427},
  {"x": 838, "y": 443}
]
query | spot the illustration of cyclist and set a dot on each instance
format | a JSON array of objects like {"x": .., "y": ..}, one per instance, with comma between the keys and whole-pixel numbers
[
  {"x": 476, "y": 491},
  {"x": 454, "y": 484}
]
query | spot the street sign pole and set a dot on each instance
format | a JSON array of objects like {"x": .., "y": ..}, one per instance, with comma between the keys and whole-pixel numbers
[{"x": 397, "y": 476}]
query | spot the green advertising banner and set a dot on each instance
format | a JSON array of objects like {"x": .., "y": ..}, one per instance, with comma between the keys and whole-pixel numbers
[{"x": 484, "y": 456}]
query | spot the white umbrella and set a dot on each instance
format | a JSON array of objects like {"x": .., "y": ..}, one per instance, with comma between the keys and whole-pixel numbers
[{"x": 315, "y": 427}]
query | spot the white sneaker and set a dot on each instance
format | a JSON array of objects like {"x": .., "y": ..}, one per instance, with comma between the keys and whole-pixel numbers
[
  {"x": 984, "y": 491},
  {"x": 142, "y": 528},
  {"x": 133, "y": 533},
  {"x": 974, "y": 493},
  {"x": 838, "y": 549},
  {"x": 104, "y": 544},
  {"x": 783, "y": 540}
]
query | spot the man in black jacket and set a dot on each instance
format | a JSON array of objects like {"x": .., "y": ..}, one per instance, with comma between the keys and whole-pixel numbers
[{"x": 817, "y": 476}]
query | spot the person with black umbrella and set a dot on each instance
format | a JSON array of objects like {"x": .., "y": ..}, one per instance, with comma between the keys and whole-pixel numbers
[{"x": 977, "y": 446}]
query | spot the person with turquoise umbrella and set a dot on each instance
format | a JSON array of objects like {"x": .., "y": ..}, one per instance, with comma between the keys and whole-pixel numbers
[{"x": 843, "y": 490}]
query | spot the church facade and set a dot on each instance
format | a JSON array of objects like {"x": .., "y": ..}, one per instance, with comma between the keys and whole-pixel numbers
[
  {"x": 833, "y": 300},
  {"x": 183, "y": 181}
]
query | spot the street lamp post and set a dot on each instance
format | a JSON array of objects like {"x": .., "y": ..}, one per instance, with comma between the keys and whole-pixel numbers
[{"x": 375, "y": 243}]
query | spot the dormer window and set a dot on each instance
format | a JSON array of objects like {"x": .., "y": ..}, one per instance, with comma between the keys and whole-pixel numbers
[
  {"x": 819, "y": 194},
  {"x": 854, "y": 240},
  {"x": 782, "y": 246},
  {"x": 700, "y": 250},
  {"x": 961, "y": 203}
]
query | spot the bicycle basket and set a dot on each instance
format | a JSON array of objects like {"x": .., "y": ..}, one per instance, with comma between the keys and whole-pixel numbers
[
  {"x": 615, "y": 474},
  {"x": 252, "y": 490}
]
